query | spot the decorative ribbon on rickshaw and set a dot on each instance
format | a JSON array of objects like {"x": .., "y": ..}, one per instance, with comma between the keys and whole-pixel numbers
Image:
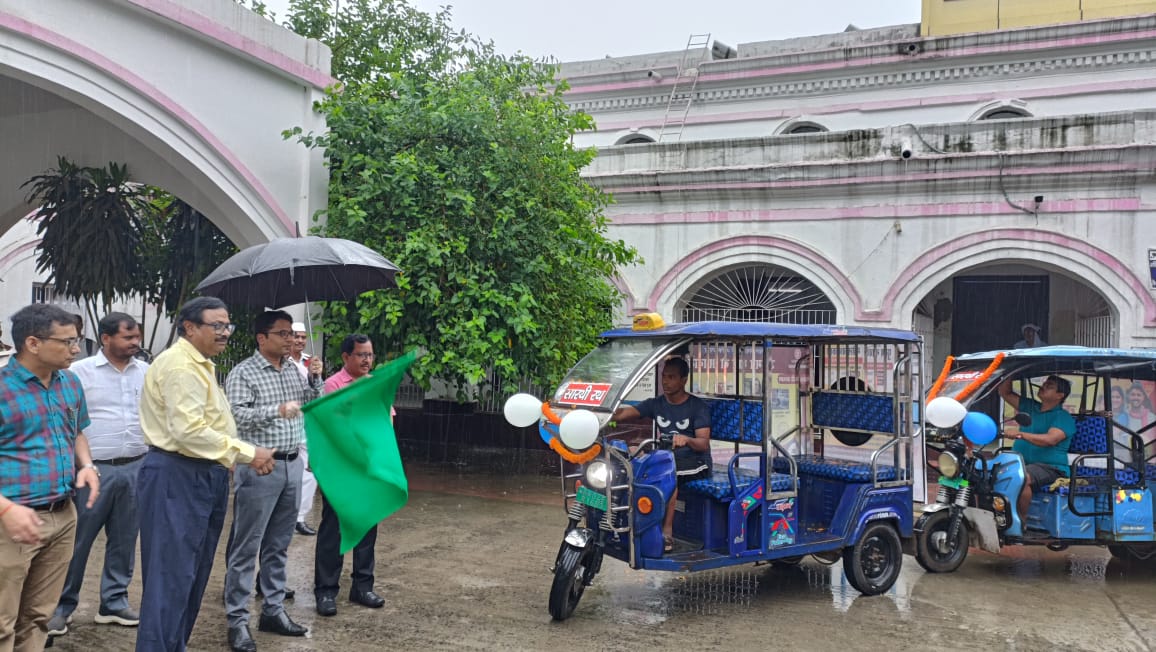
[
  {"x": 971, "y": 387},
  {"x": 558, "y": 447}
]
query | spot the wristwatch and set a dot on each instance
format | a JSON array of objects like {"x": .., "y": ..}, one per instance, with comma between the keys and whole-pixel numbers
[{"x": 92, "y": 466}]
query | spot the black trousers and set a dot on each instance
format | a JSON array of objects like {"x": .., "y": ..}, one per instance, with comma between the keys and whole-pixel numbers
[{"x": 328, "y": 560}]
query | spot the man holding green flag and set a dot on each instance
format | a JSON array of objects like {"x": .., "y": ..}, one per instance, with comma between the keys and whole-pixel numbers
[{"x": 353, "y": 453}]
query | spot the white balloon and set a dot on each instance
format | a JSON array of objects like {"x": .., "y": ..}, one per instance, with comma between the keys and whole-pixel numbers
[
  {"x": 579, "y": 429},
  {"x": 945, "y": 412},
  {"x": 522, "y": 410}
]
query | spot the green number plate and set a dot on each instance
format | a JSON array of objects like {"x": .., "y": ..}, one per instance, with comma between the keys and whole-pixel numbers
[
  {"x": 592, "y": 498},
  {"x": 954, "y": 483}
]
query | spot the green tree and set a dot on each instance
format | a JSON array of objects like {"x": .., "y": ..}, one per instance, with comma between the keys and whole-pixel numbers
[
  {"x": 89, "y": 223},
  {"x": 105, "y": 237},
  {"x": 179, "y": 247},
  {"x": 456, "y": 163}
]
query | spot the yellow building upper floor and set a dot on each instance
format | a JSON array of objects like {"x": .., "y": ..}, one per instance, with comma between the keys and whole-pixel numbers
[{"x": 945, "y": 17}]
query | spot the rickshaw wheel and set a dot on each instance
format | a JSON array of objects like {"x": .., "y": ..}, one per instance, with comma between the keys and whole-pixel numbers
[
  {"x": 934, "y": 527},
  {"x": 569, "y": 581},
  {"x": 872, "y": 564},
  {"x": 1133, "y": 552}
]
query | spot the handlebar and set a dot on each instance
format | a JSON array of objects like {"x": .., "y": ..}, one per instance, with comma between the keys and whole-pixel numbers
[{"x": 662, "y": 442}]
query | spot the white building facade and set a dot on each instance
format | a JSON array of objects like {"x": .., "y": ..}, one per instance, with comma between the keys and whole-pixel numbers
[
  {"x": 960, "y": 185},
  {"x": 191, "y": 95}
]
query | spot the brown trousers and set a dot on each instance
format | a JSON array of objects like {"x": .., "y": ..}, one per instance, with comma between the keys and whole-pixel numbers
[{"x": 31, "y": 579}]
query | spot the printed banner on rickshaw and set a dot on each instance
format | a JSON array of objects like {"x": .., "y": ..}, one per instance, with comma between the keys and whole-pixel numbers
[{"x": 579, "y": 393}]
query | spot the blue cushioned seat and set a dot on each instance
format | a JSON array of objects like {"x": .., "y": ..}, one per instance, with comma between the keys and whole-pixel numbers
[
  {"x": 725, "y": 420},
  {"x": 1091, "y": 438},
  {"x": 869, "y": 412},
  {"x": 718, "y": 485},
  {"x": 833, "y": 469}
]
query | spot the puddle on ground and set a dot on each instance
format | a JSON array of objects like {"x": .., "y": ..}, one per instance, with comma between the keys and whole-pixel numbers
[{"x": 632, "y": 597}]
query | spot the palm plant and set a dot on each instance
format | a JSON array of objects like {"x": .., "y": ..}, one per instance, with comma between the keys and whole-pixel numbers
[{"x": 89, "y": 223}]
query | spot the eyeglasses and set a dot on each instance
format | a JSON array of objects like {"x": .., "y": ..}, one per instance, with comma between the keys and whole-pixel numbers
[
  {"x": 364, "y": 355},
  {"x": 281, "y": 334},
  {"x": 221, "y": 327},
  {"x": 70, "y": 342}
]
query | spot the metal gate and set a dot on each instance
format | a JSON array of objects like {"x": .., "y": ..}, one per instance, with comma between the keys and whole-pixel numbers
[{"x": 1099, "y": 331}]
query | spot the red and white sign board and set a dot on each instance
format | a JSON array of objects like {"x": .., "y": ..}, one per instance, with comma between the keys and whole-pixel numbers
[{"x": 584, "y": 393}]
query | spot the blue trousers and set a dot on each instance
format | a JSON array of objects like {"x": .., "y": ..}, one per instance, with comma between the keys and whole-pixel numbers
[
  {"x": 182, "y": 503},
  {"x": 114, "y": 512}
]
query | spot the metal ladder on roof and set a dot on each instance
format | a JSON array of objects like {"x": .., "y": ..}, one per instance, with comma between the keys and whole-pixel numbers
[{"x": 682, "y": 93}]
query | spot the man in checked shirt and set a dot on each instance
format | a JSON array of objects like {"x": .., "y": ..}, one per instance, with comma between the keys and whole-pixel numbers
[
  {"x": 265, "y": 392},
  {"x": 44, "y": 457}
]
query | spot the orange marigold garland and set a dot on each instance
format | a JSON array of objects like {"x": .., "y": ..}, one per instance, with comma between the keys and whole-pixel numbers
[
  {"x": 558, "y": 447},
  {"x": 570, "y": 456},
  {"x": 975, "y": 384},
  {"x": 942, "y": 377},
  {"x": 550, "y": 415}
]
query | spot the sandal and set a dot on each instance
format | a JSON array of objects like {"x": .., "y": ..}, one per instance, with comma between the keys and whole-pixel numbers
[{"x": 667, "y": 543}]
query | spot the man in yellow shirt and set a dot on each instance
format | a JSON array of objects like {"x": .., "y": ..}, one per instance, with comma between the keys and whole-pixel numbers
[{"x": 183, "y": 487}]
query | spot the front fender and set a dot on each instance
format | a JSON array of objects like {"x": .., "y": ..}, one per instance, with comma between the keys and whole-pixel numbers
[
  {"x": 579, "y": 537},
  {"x": 984, "y": 532},
  {"x": 931, "y": 509}
]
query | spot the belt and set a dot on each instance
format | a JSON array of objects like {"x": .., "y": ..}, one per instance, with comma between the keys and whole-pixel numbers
[
  {"x": 51, "y": 507},
  {"x": 286, "y": 457},
  {"x": 185, "y": 458},
  {"x": 118, "y": 461}
]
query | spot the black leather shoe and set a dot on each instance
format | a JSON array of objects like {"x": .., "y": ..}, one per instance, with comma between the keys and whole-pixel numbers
[
  {"x": 240, "y": 640},
  {"x": 280, "y": 624},
  {"x": 303, "y": 528},
  {"x": 326, "y": 605},
  {"x": 367, "y": 599}
]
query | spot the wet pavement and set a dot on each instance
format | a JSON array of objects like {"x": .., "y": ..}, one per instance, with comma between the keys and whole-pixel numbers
[{"x": 465, "y": 566}]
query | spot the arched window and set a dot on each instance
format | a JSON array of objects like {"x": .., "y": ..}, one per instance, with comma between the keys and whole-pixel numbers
[
  {"x": 805, "y": 128},
  {"x": 635, "y": 139},
  {"x": 759, "y": 293},
  {"x": 1005, "y": 113}
]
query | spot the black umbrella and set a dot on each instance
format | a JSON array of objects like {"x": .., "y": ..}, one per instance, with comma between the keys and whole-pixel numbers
[{"x": 288, "y": 271}]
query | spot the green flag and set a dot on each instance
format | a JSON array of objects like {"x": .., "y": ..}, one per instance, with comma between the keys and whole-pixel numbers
[{"x": 353, "y": 450}]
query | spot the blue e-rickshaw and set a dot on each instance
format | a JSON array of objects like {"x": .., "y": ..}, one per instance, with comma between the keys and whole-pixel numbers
[
  {"x": 812, "y": 437},
  {"x": 1105, "y": 498}
]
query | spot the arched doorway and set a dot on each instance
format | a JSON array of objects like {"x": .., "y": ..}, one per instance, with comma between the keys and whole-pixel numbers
[
  {"x": 986, "y": 308},
  {"x": 757, "y": 292}
]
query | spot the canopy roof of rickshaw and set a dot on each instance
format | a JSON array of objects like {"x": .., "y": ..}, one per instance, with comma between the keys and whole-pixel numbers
[
  {"x": 1071, "y": 359},
  {"x": 724, "y": 329}
]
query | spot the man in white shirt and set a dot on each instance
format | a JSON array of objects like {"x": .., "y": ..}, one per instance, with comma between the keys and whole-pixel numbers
[
  {"x": 1031, "y": 338},
  {"x": 112, "y": 381},
  {"x": 308, "y": 483},
  {"x": 297, "y": 354}
]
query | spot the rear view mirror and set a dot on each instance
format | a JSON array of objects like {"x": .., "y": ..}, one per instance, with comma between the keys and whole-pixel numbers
[{"x": 1023, "y": 419}]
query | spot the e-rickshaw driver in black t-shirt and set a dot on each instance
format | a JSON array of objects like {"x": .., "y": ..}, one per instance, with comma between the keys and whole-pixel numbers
[{"x": 687, "y": 418}]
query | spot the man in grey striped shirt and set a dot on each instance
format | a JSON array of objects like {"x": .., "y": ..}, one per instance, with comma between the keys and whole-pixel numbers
[{"x": 266, "y": 392}]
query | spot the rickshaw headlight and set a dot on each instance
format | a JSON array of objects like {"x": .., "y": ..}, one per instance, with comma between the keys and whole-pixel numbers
[
  {"x": 598, "y": 475},
  {"x": 948, "y": 464}
]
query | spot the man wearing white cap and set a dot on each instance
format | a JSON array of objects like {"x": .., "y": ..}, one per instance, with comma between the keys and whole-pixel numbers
[
  {"x": 300, "y": 359},
  {"x": 1031, "y": 337}
]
